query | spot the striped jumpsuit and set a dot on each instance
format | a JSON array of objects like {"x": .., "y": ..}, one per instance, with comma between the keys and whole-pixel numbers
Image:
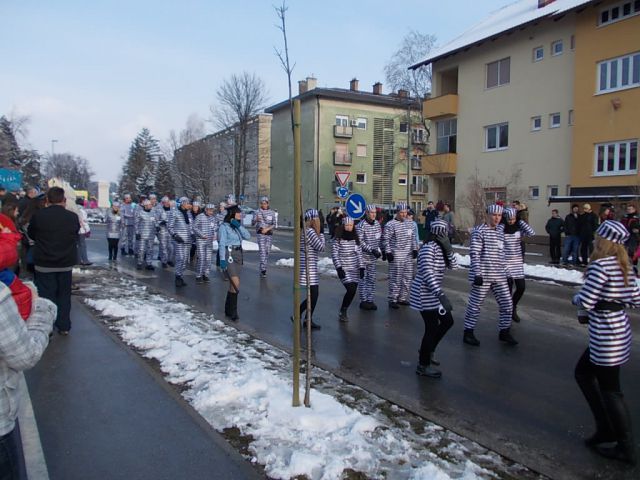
[
  {"x": 180, "y": 226},
  {"x": 513, "y": 256},
  {"x": 347, "y": 255},
  {"x": 265, "y": 218},
  {"x": 128, "y": 227},
  {"x": 398, "y": 238},
  {"x": 370, "y": 234},
  {"x": 425, "y": 290},
  {"x": 164, "y": 239},
  {"x": 316, "y": 245},
  {"x": 203, "y": 229},
  {"x": 114, "y": 228},
  {"x": 487, "y": 261},
  {"x": 146, "y": 228}
]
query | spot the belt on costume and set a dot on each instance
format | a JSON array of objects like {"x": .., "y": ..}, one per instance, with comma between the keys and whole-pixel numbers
[{"x": 608, "y": 306}]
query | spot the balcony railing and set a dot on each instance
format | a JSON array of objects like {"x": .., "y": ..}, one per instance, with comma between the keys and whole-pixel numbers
[
  {"x": 419, "y": 139},
  {"x": 442, "y": 106},
  {"x": 416, "y": 164},
  {"x": 341, "y": 158},
  {"x": 342, "y": 132},
  {"x": 440, "y": 164}
]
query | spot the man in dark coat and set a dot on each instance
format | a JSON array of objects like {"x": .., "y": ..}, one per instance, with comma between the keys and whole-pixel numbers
[
  {"x": 54, "y": 230},
  {"x": 587, "y": 225},
  {"x": 555, "y": 227}
]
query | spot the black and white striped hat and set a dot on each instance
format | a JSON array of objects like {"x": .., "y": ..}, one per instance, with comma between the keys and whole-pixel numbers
[
  {"x": 347, "y": 221},
  {"x": 311, "y": 213},
  {"x": 211, "y": 206},
  {"x": 613, "y": 231},
  {"x": 439, "y": 227},
  {"x": 401, "y": 206},
  {"x": 371, "y": 207},
  {"x": 495, "y": 208},
  {"x": 510, "y": 212}
]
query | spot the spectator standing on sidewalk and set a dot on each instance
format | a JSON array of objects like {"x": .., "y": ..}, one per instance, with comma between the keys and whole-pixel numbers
[
  {"x": 83, "y": 234},
  {"x": 21, "y": 346},
  {"x": 430, "y": 214},
  {"x": 571, "y": 237},
  {"x": 587, "y": 225},
  {"x": 630, "y": 218},
  {"x": 54, "y": 231},
  {"x": 447, "y": 216},
  {"x": 555, "y": 227}
]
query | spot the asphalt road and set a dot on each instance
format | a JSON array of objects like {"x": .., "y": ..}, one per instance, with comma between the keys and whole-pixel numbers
[{"x": 521, "y": 402}]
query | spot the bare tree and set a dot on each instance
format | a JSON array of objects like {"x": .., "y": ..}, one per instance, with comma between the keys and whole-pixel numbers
[
  {"x": 240, "y": 99},
  {"x": 71, "y": 168}
]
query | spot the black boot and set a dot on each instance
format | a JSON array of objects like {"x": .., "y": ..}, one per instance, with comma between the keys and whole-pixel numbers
[
  {"x": 506, "y": 337},
  {"x": 591, "y": 391},
  {"x": 514, "y": 316},
  {"x": 342, "y": 316},
  {"x": 180, "y": 282},
  {"x": 618, "y": 412},
  {"x": 469, "y": 338},
  {"x": 233, "y": 305},
  {"x": 227, "y": 305}
]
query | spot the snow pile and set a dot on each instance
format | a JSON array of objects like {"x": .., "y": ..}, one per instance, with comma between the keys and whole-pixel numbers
[
  {"x": 325, "y": 265},
  {"x": 235, "y": 381},
  {"x": 247, "y": 246}
]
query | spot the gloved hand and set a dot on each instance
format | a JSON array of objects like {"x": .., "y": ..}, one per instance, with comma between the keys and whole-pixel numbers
[
  {"x": 223, "y": 264},
  {"x": 384, "y": 257},
  {"x": 445, "y": 302},
  {"x": 414, "y": 253},
  {"x": 163, "y": 223},
  {"x": 362, "y": 273},
  {"x": 157, "y": 229},
  {"x": 376, "y": 253},
  {"x": 389, "y": 257},
  {"x": 341, "y": 274},
  {"x": 235, "y": 223},
  {"x": 477, "y": 281},
  {"x": 177, "y": 238},
  {"x": 138, "y": 236}
]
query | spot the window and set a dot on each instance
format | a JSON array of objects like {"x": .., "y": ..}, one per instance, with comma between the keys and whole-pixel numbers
[
  {"x": 619, "y": 73},
  {"x": 404, "y": 127},
  {"x": 361, "y": 177},
  {"x": 416, "y": 162},
  {"x": 446, "y": 135},
  {"x": 499, "y": 73},
  {"x": 417, "y": 184},
  {"x": 572, "y": 42},
  {"x": 418, "y": 135},
  {"x": 342, "y": 156},
  {"x": 554, "y": 120},
  {"x": 538, "y": 54},
  {"x": 361, "y": 151},
  {"x": 536, "y": 123},
  {"x": 552, "y": 190},
  {"x": 618, "y": 158},
  {"x": 556, "y": 48},
  {"x": 496, "y": 137},
  {"x": 534, "y": 192},
  {"x": 495, "y": 194},
  {"x": 570, "y": 116},
  {"x": 342, "y": 120},
  {"x": 619, "y": 11},
  {"x": 416, "y": 206},
  {"x": 402, "y": 180},
  {"x": 361, "y": 123}
]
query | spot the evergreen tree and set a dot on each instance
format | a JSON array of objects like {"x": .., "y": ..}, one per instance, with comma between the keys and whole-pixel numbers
[
  {"x": 143, "y": 152},
  {"x": 164, "y": 178},
  {"x": 9, "y": 149}
]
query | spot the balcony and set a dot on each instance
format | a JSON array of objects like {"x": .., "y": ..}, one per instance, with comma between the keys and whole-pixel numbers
[
  {"x": 441, "y": 164},
  {"x": 341, "y": 158},
  {"x": 416, "y": 163},
  {"x": 418, "y": 190},
  {"x": 443, "y": 106},
  {"x": 340, "y": 131}
]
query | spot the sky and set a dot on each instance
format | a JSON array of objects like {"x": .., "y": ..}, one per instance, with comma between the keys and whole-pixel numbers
[{"x": 91, "y": 75}]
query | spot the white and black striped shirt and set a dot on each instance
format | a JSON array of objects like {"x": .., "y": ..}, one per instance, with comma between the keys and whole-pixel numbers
[
  {"x": 427, "y": 284},
  {"x": 316, "y": 245},
  {"x": 487, "y": 253}
]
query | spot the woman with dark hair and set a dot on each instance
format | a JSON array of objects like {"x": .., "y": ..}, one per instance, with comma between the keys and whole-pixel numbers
[
  {"x": 196, "y": 209},
  {"x": 230, "y": 236},
  {"x": 314, "y": 240},
  {"x": 346, "y": 254},
  {"x": 609, "y": 287},
  {"x": 24, "y": 219}
]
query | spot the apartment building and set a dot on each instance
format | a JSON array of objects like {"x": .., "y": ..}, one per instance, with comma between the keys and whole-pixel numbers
[
  {"x": 517, "y": 111},
  {"x": 362, "y": 135}
]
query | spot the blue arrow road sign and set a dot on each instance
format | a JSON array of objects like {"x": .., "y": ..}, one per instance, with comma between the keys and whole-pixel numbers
[
  {"x": 343, "y": 192},
  {"x": 355, "y": 205}
]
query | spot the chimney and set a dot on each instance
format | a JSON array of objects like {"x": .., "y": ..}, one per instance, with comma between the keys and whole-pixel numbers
[
  {"x": 312, "y": 82},
  {"x": 403, "y": 93},
  {"x": 353, "y": 85},
  {"x": 377, "y": 88},
  {"x": 544, "y": 3},
  {"x": 302, "y": 86}
]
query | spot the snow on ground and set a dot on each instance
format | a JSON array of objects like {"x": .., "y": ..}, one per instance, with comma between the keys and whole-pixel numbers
[
  {"x": 247, "y": 246},
  {"x": 325, "y": 265},
  {"x": 236, "y": 381}
]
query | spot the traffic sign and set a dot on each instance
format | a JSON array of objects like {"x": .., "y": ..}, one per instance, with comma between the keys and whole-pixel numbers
[
  {"x": 343, "y": 177},
  {"x": 356, "y": 205},
  {"x": 343, "y": 192}
]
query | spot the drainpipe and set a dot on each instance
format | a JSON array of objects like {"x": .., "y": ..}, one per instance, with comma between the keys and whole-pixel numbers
[{"x": 318, "y": 152}]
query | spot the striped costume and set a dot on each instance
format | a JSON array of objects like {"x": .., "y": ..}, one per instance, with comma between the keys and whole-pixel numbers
[
  {"x": 163, "y": 214},
  {"x": 265, "y": 219},
  {"x": 487, "y": 261},
  {"x": 203, "y": 229},
  {"x": 427, "y": 284},
  {"x": 114, "y": 224},
  {"x": 347, "y": 254},
  {"x": 127, "y": 210},
  {"x": 513, "y": 257},
  {"x": 370, "y": 234},
  {"x": 398, "y": 239},
  {"x": 146, "y": 229},
  {"x": 316, "y": 245},
  {"x": 179, "y": 226}
]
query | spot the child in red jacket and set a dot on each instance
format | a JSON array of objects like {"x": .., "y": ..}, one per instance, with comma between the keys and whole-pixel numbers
[{"x": 9, "y": 238}]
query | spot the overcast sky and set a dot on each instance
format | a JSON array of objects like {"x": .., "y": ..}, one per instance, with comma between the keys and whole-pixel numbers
[{"x": 91, "y": 74}]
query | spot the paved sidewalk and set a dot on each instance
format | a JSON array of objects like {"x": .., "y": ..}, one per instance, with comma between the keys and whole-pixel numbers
[{"x": 103, "y": 413}]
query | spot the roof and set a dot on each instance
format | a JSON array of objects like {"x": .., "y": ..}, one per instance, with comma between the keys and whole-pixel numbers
[
  {"x": 349, "y": 95},
  {"x": 501, "y": 21}
]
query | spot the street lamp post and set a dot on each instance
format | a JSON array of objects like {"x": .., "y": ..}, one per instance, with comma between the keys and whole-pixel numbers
[{"x": 53, "y": 142}]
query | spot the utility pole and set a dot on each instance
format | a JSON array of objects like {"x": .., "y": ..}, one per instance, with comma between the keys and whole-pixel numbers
[
  {"x": 53, "y": 142},
  {"x": 409, "y": 153}
]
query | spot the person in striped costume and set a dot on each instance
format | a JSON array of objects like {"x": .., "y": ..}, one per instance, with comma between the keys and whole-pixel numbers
[
  {"x": 203, "y": 229},
  {"x": 114, "y": 227},
  {"x": 145, "y": 234},
  {"x": 346, "y": 254},
  {"x": 196, "y": 210},
  {"x": 401, "y": 247},
  {"x": 315, "y": 244},
  {"x": 514, "y": 231},
  {"x": 609, "y": 287},
  {"x": 488, "y": 272},
  {"x": 128, "y": 226},
  {"x": 428, "y": 298},
  {"x": 265, "y": 222},
  {"x": 369, "y": 233},
  {"x": 230, "y": 236},
  {"x": 162, "y": 213},
  {"x": 179, "y": 227}
]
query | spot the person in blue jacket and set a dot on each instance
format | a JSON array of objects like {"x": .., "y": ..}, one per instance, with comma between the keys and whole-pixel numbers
[{"x": 230, "y": 236}]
